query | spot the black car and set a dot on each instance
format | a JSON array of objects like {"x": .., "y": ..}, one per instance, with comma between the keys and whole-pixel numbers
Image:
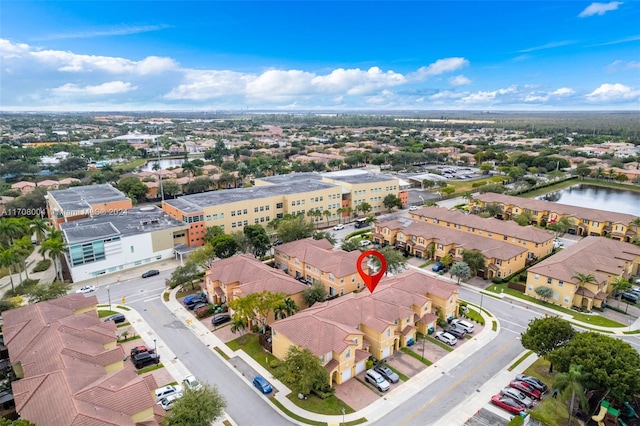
[
  {"x": 277, "y": 242},
  {"x": 630, "y": 297},
  {"x": 117, "y": 318},
  {"x": 151, "y": 273},
  {"x": 457, "y": 332},
  {"x": 220, "y": 319},
  {"x": 533, "y": 381},
  {"x": 144, "y": 359}
]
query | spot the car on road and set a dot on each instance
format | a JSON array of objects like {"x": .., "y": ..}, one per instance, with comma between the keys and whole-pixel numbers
[
  {"x": 220, "y": 319},
  {"x": 457, "y": 332},
  {"x": 262, "y": 385},
  {"x": 117, "y": 318},
  {"x": 465, "y": 325},
  {"x": 192, "y": 383},
  {"x": 518, "y": 396},
  {"x": 526, "y": 388},
  {"x": 534, "y": 381},
  {"x": 151, "y": 273},
  {"x": 168, "y": 401},
  {"x": 365, "y": 243},
  {"x": 277, "y": 243},
  {"x": 338, "y": 227},
  {"x": 445, "y": 337},
  {"x": 86, "y": 289},
  {"x": 168, "y": 390},
  {"x": 377, "y": 380},
  {"x": 144, "y": 359},
  {"x": 438, "y": 267},
  {"x": 387, "y": 373},
  {"x": 507, "y": 403}
]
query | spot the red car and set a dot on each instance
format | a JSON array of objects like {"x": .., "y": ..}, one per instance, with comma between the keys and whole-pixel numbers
[
  {"x": 508, "y": 403},
  {"x": 526, "y": 388}
]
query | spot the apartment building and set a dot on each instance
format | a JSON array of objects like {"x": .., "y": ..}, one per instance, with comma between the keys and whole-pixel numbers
[
  {"x": 537, "y": 242},
  {"x": 239, "y": 276},
  {"x": 584, "y": 221},
  {"x": 71, "y": 369},
  {"x": 81, "y": 202},
  {"x": 110, "y": 243},
  {"x": 605, "y": 258},
  {"x": 316, "y": 262}
]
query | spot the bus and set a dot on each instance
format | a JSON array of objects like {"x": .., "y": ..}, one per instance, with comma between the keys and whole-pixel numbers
[{"x": 361, "y": 223}]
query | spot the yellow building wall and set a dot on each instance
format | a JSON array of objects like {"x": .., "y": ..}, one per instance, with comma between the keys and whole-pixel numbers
[
  {"x": 116, "y": 366},
  {"x": 143, "y": 416},
  {"x": 563, "y": 293}
]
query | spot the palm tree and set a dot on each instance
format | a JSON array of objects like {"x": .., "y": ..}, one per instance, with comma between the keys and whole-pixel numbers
[
  {"x": 285, "y": 309},
  {"x": 431, "y": 250},
  {"x": 327, "y": 215},
  {"x": 8, "y": 258},
  {"x": 571, "y": 381},
  {"x": 10, "y": 229},
  {"x": 39, "y": 227},
  {"x": 55, "y": 248},
  {"x": 341, "y": 210},
  {"x": 23, "y": 249},
  {"x": 584, "y": 279},
  {"x": 620, "y": 285},
  {"x": 239, "y": 324}
]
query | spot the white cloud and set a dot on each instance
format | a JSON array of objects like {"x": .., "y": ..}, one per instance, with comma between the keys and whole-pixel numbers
[
  {"x": 10, "y": 50},
  {"x": 202, "y": 85},
  {"x": 440, "y": 66},
  {"x": 545, "y": 97},
  {"x": 109, "y": 88},
  {"x": 488, "y": 96},
  {"x": 599, "y": 8},
  {"x": 357, "y": 82},
  {"x": 623, "y": 65},
  {"x": 614, "y": 93},
  {"x": 106, "y": 32},
  {"x": 459, "y": 80},
  {"x": 551, "y": 45}
]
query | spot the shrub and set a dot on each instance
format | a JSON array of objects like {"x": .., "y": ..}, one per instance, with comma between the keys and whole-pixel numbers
[
  {"x": 496, "y": 280},
  {"x": 203, "y": 312},
  {"x": 369, "y": 364},
  {"x": 274, "y": 363},
  {"x": 42, "y": 266}
]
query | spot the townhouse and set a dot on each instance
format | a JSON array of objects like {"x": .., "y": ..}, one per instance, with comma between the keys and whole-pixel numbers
[
  {"x": 71, "y": 369},
  {"x": 584, "y": 221},
  {"x": 316, "y": 262},
  {"x": 605, "y": 258},
  {"x": 345, "y": 331},
  {"x": 538, "y": 242},
  {"x": 239, "y": 276}
]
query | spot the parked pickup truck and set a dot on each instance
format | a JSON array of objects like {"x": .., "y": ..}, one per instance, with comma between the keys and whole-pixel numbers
[
  {"x": 140, "y": 349},
  {"x": 144, "y": 359}
]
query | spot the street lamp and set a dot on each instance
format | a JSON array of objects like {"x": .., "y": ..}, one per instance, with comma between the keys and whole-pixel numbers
[
  {"x": 155, "y": 347},
  {"x": 481, "y": 297},
  {"x": 159, "y": 168},
  {"x": 343, "y": 411},
  {"x": 109, "y": 296},
  {"x": 424, "y": 338}
]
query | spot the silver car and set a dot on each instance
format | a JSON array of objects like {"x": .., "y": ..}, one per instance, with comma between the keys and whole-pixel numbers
[
  {"x": 447, "y": 338},
  {"x": 518, "y": 396}
]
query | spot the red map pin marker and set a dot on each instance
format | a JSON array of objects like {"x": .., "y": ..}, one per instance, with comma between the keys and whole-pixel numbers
[{"x": 372, "y": 280}]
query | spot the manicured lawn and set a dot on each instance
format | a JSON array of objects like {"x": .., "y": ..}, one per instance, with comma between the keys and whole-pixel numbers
[
  {"x": 105, "y": 313},
  {"x": 474, "y": 315},
  {"x": 466, "y": 185},
  {"x": 295, "y": 416},
  {"x": 439, "y": 343},
  {"x": 151, "y": 368},
  {"x": 330, "y": 406},
  {"x": 416, "y": 356},
  {"x": 252, "y": 348}
]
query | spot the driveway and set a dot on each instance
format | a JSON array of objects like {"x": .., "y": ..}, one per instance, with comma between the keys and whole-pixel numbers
[{"x": 356, "y": 394}]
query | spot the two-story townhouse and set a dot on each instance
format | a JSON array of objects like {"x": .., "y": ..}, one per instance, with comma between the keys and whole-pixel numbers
[
  {"x": 584, "y": 221},
  {"x": 604, "y": 258},
  {"x": 316, "y": 262},
  {"x": 442, "y": 294}
]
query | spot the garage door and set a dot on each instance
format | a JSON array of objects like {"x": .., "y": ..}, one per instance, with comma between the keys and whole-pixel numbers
[
  {"x": 386, "y": 352},
  {"x": 361, "y": 366},
  {"x": 346, "y": 375}
]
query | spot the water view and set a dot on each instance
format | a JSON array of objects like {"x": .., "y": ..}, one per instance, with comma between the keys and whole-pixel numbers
[
  {"x": 597, "y": 197},
  {"x": 164, "y": 164}
]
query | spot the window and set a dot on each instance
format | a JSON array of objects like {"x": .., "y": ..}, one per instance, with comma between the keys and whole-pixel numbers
[
  {"x": 549, "y": 280},
  {"x": 348, "y": 353},
  {"x": 560, "y": 283},
  {"x": 556, "y": 296},
  {"x": 278, "y": 205},
  {"x": 388, "y": 332},
  {"x": 233, "y": 213},
  {"x": 566, "y": 299},
  {"x": 536, "y": 276},
  {"x": 255, "y": 210}
]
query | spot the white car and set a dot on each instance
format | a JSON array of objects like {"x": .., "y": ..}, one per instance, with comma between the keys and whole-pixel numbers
[
  {"x": 338, "y": 227},
  {"x": 192, "y": 383},
  {"x": 86, "y": 289},
  {"x": 168, "y": 401},
  {"x": 447, "y": 338},
  {"x": 465, "y": 325},
  {"x": 413, "y": 208},
  {"x": 365, "y": 243},
  {"x": 166, "y": 391}
]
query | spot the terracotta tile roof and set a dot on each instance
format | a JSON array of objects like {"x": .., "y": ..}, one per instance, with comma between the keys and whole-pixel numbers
[
  {"x": 563, "y": 209},
  {"x": 503, "y": 227},
  {"x": 360, "y": 355},
  {"x": 320, "y": 254},
  {"x": 429, "y": 286},
  {"x": 599, "y": 256},
  {"x": 331, "y": 365},
  {"x": 582, "y": 291}
]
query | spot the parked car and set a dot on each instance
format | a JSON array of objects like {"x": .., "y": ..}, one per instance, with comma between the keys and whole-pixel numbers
[
  {"x": 518, "y": 396},
  {"x": 413, "y": 208},
  {"x": 338, "y": 227},
  {"x": 465, "y": 325},
  {"x": 365, "y": 243},
  {"x": 194, "y": 298},
  {"x": 526, "y": 388},
  {"x": 198, "y": 306},
  {"x": 168, "y": 401},
  {"x": 86, "y": 289},
  {"x": 507, "y": 403},
  {"x": 438, "y": 267},
  {"x": 377, "y": 380},
  {"x": 534, "y": 381},
  {"x": 630, "y": 296},
  {"x": 220, "y": 319},
  {"x": 262, "y": 385},
  {"x": 459, "y": 333},
  {"x": 139, "y": 349},
  {"x": 144, "y": 359},
  {"x": 168, "y": 390},
  {"x": 192, "y": 383},
  {"x": 445, "y": 337},
  {"x": 151, "y": 273},
  {"x": 277, "y": 243},
  {"x": 117, "y": 318},
  {"x": 387, "y": 373}
]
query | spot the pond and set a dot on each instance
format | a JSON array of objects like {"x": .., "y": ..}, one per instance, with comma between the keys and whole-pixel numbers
[{"x": 597, "y": 197}]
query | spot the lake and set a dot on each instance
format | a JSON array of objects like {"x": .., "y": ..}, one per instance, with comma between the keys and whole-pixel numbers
[
  {"x": 597, "y": 197},
  {"x": 164, "y": 164}
]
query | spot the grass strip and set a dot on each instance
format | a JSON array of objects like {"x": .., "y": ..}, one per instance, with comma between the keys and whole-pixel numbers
[
  {"x": 295, "y": 416},
  {"x": 151, "y": 368},
  {"x": 416, "y": 356},
  {"x": 221, "y": 352},
  {"x": 439, "y": 343},
  {"x": 519, "y": 361}
]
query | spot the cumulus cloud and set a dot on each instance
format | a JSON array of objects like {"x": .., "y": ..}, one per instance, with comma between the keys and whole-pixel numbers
[
  {"x": 546, "y": 96},
  {"x": 202, "y": 85},
  {"x": 109, "y": 88},
  {"x": 488, "y": 96},
  {"x": 599, "y": 8},
  {"x": 614, "y": 93},
  {"x": 459, "y": 80},
  {"x": 10, "y": 50},
  {"x": 440, "y": 66}
]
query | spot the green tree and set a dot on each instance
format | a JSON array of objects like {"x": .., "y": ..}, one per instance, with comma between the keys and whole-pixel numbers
[
  {"x": 197, "y": 408},
  {"x": 364, "y": 208},
  {"x": 524, "y": 218},
  {"x": 571, "y": 382},
  {"x": 286, "y": 308},
  {"x": 544, "y": 335},
  {"x": 350, "y": 245},
  {"x": 295, "y": 228},
  {"x": 303, "y": 372},
  {"x": 39, "y": 228},
  {"x": 319, "y": 235},
  {"x": 239, "y": 325},
  {"x": 19, "y": 422},
  {"x": 43, "y": 292},
  {"x": 224, "y": 246},
  {"x": 447, "y": 260},
  {"x": 475, "y": 260},
  {"x": 8, "y": 259},
  {"x": 203, "y": 256},
  {"x": 620, "y": 285},
  {"x": 199, "y": 184},
  {"x": 258, "y": 240},
  {"x": 584, "y": 279},
  {"x": 10, "y": 229},
  {"x": 315, "y": 293},
  {"x": 448, "y": 190},
  {"x": 171, "y": 188},
  {"x": 186, "y": 274},
  {"x": 72, "y": 164},
  {"x": 561, "y": 226},
  {"x": 544, "y": 292},
  {"x": 54, "y": 247},
  {"x": 396, "y": 262},
  {"x": 133, "y": 187},
  {"x": 211, "y": 232},
  {"x": 390, "y": 201},
  {"x": 427, "y": 183},
  {"x": 460, "y": 270}
]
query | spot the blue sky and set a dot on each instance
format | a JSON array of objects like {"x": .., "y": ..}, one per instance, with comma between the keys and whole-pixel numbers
[{"x": 327, "y": 56}]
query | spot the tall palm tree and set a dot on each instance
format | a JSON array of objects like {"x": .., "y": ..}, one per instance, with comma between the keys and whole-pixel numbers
[
  {"x": 39, "y": 227},
  {"x": 23, "y": 249},
  {"x": 341, "y": 210},
  {"x": 55, "y": 248},
  {"x": 327, "y": 215},
  {"x": 584, "y": 279},
  {"x": 571, "y": 381},
  {"x": 239, "y": 324},
  {"x": 10, "y": 229},
  {"x": 285, "y": 309},
  {"x": 8, "y": 258},
  {"x": 620, "y": 285}
]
